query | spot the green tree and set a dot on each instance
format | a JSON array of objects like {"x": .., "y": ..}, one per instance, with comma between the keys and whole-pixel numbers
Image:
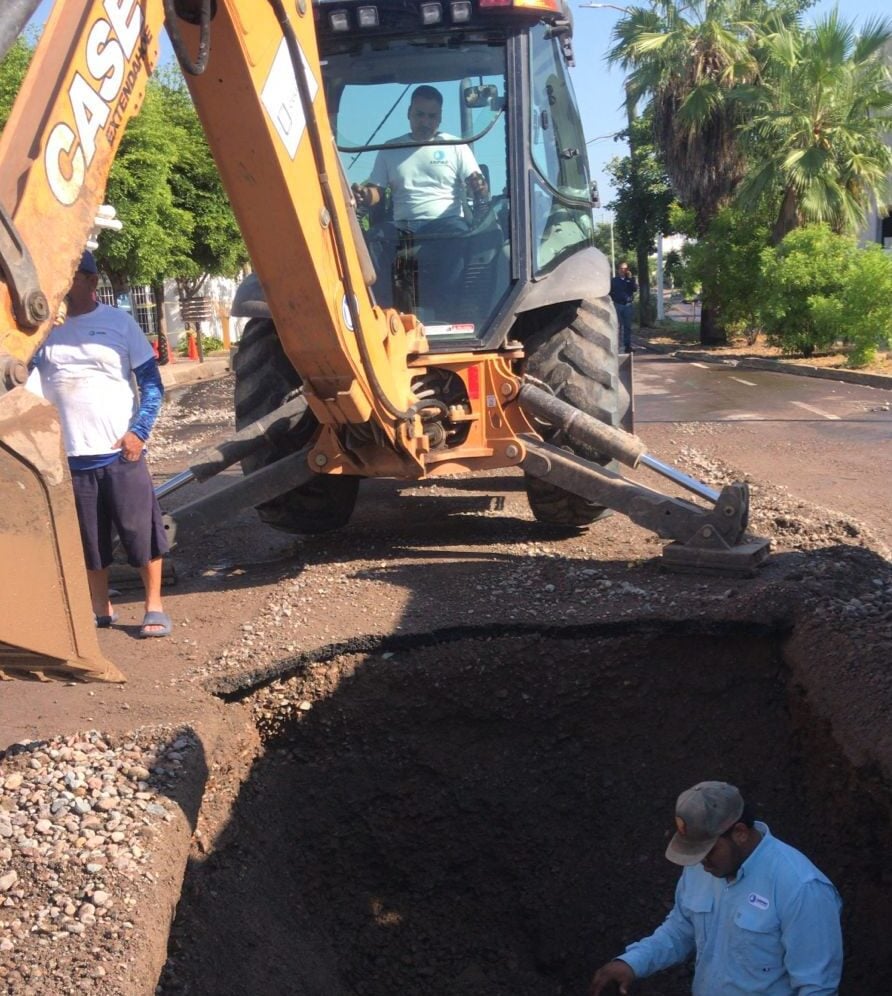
[
  {"x": 821, "y": 289},
  {"x": 688, "y": 59},
  {"x": 819, "y": 113},
  {"x": 726, "y": 264},
  {"x": 12, "y": 72},
  {"x": 156, "y": 240},
  {"x": 217, "y": 248},
  {"x": 642, "y": 203}
]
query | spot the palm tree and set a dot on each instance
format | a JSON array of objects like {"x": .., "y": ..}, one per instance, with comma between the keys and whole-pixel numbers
[
  {"x": 818, "y": 117},
  {"x": 688, "y": 60}
]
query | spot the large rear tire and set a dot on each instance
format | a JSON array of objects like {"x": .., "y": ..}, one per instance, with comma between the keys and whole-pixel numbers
[
  {"x": 265, "y": 379},
  {"x": 575, "y": 355}
]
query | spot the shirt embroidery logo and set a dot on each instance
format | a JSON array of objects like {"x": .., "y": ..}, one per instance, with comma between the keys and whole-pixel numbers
[
  {"x": 439, "y": 156},
  {"x": 760, "y": 902}
]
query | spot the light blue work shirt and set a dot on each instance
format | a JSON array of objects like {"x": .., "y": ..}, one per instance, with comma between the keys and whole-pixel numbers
[{"x": 774, "y": 930}]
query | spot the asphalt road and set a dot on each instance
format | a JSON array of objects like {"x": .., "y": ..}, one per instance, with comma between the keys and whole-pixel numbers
[{"x": 827, "y": 441}]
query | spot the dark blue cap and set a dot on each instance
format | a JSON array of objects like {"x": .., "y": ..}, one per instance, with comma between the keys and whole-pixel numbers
[{"x": 87, "y": 263}]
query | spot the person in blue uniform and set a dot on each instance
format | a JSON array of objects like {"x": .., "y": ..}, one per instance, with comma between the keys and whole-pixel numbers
[{"x": 758, "y": 916}]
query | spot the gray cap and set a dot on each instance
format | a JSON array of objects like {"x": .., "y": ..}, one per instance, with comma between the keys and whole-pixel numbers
[{"x": 702, "y": 814}]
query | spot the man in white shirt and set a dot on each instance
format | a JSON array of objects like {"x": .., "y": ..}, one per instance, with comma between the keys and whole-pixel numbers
[
  {"x": 429, "y": 174},
  {"x": 85, "y": 368}
]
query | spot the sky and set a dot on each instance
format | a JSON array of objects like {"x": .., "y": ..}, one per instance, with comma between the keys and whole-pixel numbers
[{"x": 599, "y": 88}]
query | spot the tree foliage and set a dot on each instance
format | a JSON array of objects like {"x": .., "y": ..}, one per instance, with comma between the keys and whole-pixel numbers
[
  {"x": 163, "y": 184},
  {"x": 12, "y": 73},
  {"x": 156, "y": 239},
  {"x": 177, "y": 219},
  {"x": 687, "y": 59},
  {"x": 217, "y": 247},
  {"x": 644, "y": 194},
  {"x": 822, "y": 289},
  {"x": 726, "y": 265},
  {"x": 817, "y": 119}
]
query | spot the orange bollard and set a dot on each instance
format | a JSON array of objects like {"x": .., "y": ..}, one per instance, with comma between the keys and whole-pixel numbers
[{"x": 193, "y": 349}]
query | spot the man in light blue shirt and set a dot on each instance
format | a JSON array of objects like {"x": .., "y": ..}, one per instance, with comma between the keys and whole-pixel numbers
[{"x": 757, "y": 915}]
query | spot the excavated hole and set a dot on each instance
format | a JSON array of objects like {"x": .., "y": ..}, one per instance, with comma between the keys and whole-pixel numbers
[{"x": 486, "y": 816}]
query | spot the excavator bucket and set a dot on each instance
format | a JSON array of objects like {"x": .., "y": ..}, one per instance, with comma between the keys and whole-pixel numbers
[{"x": 46, "y": 626}]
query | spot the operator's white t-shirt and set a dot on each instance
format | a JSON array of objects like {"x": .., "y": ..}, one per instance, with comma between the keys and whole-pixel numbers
[
  {"x": 85, "y": 370},
  {"x": 427, "y": 181}
]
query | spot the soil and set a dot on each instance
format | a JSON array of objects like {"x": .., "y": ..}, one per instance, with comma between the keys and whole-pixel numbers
[{"x": 437, "y": 751}]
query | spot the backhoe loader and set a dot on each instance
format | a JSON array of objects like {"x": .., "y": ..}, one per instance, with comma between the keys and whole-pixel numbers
[{"x": 359, "y": 359}]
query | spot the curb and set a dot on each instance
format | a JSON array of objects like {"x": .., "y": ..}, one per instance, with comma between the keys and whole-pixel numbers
[
  {"x": 880, "y": 381},
  {"x": 191, "y": 371}
]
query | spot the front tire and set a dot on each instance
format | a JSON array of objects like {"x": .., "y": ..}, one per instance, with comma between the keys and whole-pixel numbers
[
  {"x": 576, "y": 356},
  {"x": 264, "y": 380}
]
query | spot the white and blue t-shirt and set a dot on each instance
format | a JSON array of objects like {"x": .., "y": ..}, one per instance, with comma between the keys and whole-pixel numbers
[
  {"x": 426, "y": 181},
  {"x": 85, "y": 368}
]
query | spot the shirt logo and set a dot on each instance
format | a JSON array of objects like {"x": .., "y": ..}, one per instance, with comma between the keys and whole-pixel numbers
[
  {"x": 439, "y": 156},
  {"x": 760, "y": 902}
]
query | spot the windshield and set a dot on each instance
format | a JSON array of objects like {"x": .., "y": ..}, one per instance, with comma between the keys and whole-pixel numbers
[{"x": 420, "y": 126}]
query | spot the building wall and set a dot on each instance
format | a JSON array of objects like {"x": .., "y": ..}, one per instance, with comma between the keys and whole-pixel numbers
[{"x": 221, "y": 291}]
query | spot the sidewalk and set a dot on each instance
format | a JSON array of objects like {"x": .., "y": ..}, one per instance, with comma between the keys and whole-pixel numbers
[{"x": 183, "y": 371}]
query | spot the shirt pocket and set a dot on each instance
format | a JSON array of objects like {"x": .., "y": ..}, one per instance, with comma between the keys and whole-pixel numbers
[
  {"x": 756, "y": 942},
  {"x": 698, "y": 909}
]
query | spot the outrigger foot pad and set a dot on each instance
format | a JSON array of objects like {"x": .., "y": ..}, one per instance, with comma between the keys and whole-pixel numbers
[{"x": 742, "y": 559}]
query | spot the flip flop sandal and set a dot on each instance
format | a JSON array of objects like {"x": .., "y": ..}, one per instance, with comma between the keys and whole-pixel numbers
[
  {"x": 158, "y": 619},
  {"x": 104, "y": 622}
]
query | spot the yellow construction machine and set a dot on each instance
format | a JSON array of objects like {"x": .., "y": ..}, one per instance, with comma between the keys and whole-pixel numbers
[{"x": 363, "y": 356}]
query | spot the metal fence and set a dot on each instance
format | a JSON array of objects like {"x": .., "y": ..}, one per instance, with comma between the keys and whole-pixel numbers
[{"x": 138, "y": 300}]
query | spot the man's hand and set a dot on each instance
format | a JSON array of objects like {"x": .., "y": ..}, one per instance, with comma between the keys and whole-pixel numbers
[
  {"x": 130, "y": 445},
  {"x": 614, "y": 971},
  {"x": 367, "y": 194}
]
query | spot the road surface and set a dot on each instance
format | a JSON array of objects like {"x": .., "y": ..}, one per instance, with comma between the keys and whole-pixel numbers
[{"x": 824, "y": 440}]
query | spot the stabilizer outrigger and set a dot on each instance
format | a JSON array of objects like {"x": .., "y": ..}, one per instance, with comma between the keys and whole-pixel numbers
[{"x": 710, "y": 539}]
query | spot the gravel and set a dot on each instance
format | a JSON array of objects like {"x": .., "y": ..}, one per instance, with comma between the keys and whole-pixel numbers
[{"x": 79, "y": 817}]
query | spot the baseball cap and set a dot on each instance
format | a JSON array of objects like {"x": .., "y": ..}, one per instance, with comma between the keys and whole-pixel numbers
[
  {"x": 702, "y": 814},
  {"x": 87, "y": 263}
]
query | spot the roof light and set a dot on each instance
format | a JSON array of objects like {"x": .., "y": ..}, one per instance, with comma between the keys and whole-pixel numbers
[
  {"x": 431, "y": 13},
  {"x": 539, "y": 4},
  {"x": 367, "y": 17},
  {"x": 553, "y": 5},
  {"x": 339, "y": 21},
  {"x": 461, "y": 11}
]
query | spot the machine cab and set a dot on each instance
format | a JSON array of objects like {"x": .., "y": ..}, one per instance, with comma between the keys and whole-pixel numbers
[{"x": 427, "y": 98}]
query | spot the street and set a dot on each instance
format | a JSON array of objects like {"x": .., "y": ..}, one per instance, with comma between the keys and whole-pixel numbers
[{"x": 826, "y": 441}]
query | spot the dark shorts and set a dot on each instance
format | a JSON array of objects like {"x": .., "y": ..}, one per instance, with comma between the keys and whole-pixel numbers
[{"x": 119, "y": 497}]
